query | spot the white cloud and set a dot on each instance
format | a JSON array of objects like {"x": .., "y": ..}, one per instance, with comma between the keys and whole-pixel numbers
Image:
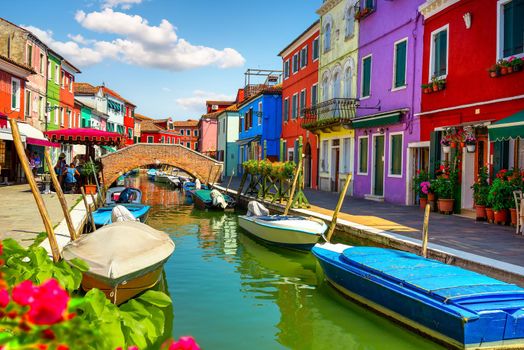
[
  {"x": 197, "y": 102},
  {"x": 125, "y": 4}
]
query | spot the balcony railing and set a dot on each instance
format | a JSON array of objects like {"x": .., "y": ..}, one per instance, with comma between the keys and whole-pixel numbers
[{"x": 329, "y": 113}]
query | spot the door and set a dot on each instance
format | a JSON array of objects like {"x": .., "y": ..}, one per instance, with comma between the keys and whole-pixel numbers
[
  {"x": 468, "y": 179},
  {"x": 335, "y": 167},
  {"x": 378, "y": 151},
  {"x": 307, "y": 166}
]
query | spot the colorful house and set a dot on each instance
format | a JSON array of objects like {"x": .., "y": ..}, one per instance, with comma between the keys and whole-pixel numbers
[
  {"x": 466, "y": 97},
  {"x": 207, "y": 127},
  {"x": 129, "y": 122},
  {"x": 139, "y": 118},
  {"x": 260, "y": 125},
  {"x": 227, "y": 136},
  {"x": 158, "y": 131},
  {"x": 299, "y": 91},
  {"x": 330, "y": 118},
  {"x": 68, "y": 116},
  {"x": 188, "y": 132},
  {"x": 92, "y": 97},
  {"x": 387, "y": 133},
  {"x": 54, "y": 114}
]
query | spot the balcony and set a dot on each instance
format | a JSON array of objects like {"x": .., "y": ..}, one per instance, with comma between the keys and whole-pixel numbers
[{"x": 329, "y": 115}]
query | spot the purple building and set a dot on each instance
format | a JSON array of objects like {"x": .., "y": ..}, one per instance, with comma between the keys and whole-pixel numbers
[{"x": 387, "y": 131}]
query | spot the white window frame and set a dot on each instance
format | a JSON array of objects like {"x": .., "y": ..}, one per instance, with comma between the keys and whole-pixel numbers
[
  {"x": 29, "y": 58},
  {"x": 300, "y": 107},
  {"x": 301, "y": 64},
  {"x": 57, "y": 74},
  {"x": 62, "y": 114},
  {"x": 500, "y": 31},
  {"x": 286, "y": 115},
  {"x": 432, "y": 52},
  {"x": 56, "y": 116},
  {"x": 295, "y": 56},
  {"x": 324, "y": 147},
  {"x": 346, "y": 157},
  {"x": 17, "y": 93},
  {"x": 358, "y": 156},
  {"x": 69, "y": 119},
  {"x": 327, "y": 48},
  {"x": 42, "y": 66},
  {"x": 287, "y": 72},
  {"x": 49, "y": 70},
  {"x": 313, "y": 59},
  {"x": 390, "y": 155},
  {"x": 393, "y": 88},
  {"x": 259, "y": 113},
  {"x": 294, "y": 116},
  {"x": 311, "y": 97},
  {"x": 362, "y": 77},
  {"x": 27, "y": 98}
]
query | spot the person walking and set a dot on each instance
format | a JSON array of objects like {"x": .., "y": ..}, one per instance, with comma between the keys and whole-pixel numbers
[
  {"x": 70, "y": 178},
  {"x": 61, "y": 168}
]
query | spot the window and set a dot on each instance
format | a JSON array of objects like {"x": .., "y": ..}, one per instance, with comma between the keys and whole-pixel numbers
[
  {"x": 62, "y": 115},
  {"x": 41, "y": 112},
  {"x": 324, "y": 159},
  {"x": 49, "y": 71},
  {"x": 327, "y": 37},
  {"x": 302, "y": 102},
  {"x": 290, "y": 155},
  {"x": 30, "y": 55},
  {"x": 69, "y": 119},
  {"x": 162, "y": 139},
  {"x": 350, "y": 22},
  {"x": 15, "y": 94},
  {"x": 315, "y": 49},
  {"x": 347, "y": 82},
  {"x": 188, "y": 144},
  {"x": 325, "y": 89},
  {"x": 260, "y": 113},
  {"x": 286, "y": 109},
  {"x": 57, "y": 74},
  {"x": 286, "y": 69},
  {"x": 150, "y": 139},
  {"x": 195, "y": 133},
  {"x": 295, "y": 63},
  {"x": 439, "y": 53},
  {"x": 70, "y": 84},
  {"x": 510, "y": 28},
  {"x": 363, "y": 155},
  {"x": 314, "y": 92},
  {"x": 366, "y": 76},
  {"x": 56, "y": 115},
  {"x": 346, "y": 155},
  {"x": 294, "y": 106},
  {"x": 196, "y": 145},
  {"x": 336, "y": 85},
  {"x": 369, "y": 4},
  {"x": 62, "y": 83},
  {"x": 41, "y": 63},
  {"x": 188, "y": 132},
  {"x": 27, "y": 103},
  {"x": 395, "y": 154},
  {"x": 303, "y": 57},
  {"x": 400, "y": 63}
]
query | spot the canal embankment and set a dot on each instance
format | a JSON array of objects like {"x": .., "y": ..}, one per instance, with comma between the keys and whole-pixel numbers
[{"x": 457, "y": 241}]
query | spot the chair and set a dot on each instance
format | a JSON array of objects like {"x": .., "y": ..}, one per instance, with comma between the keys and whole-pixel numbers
[{"x": 519, "y": 200}]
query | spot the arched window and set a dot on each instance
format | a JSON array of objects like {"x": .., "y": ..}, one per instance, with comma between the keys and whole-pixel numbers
[
  {"x": 347, "y": 83},
  {"x": 325, "y": 89},
  {"x": 336, "y": 85},
  {"x": 327, "y": 37},
  {"x": 350, "y": 21}
]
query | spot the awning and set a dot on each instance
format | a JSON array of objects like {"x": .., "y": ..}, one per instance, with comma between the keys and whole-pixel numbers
[
  {"x": 28, "y": 134},
  {"x": 109, "y": 149},
  {"x": 379, "y": 119},
  {"x": 248, "y": 140},
  {"x": 511, "y": 127},
  {"x": 83, "y": 136}
]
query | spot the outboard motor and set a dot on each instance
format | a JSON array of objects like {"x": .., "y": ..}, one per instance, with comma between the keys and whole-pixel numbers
[
  {"x": 218, "y": 199},
  {"x": 254, "y": 208},
  {"x": 120, "y": 213}
]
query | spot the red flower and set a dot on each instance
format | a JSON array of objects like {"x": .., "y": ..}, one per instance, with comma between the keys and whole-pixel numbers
[
  {"x": 48, "y": 334},
  {"x": 62, "y": 347},
  {"x": 49, "y": 304},
  {"x": 42, "y": 347},
  {"x": 4, "y": 298},
  {"x": 1, "y": 249},
  {"x": 23, "y": 294},
  {"x": 184, "y": 343}
]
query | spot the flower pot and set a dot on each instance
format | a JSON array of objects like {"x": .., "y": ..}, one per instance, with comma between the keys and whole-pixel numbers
[
  {"x": 500, "y": 216},
  {"x": 513, "y": 215},
  {"x": 503, "y": 70},
  {"x": 90, "y": 189},
  {"x": 493, "y": 74},
  {"x": 510, "y": 69},
  {"x": 431, "y": 197},
  {"x": 446, "y": 149},
  {"x": 471, "y": 148},
  {"x": 490, "y": 216},
  {"x": 435, "y": 87},
  {"x": 445, "y": 206},
  {"x": 453, "y": 145},
  {"x": 481, "y": 212},
  {"x": 423, "y": 202},
  {"x": 462, "y": 145}
]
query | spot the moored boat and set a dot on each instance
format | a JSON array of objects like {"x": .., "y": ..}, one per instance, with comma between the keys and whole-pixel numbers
[
  {"x": 458, "y": 307},
  {"x": 151, "y": 174},
  {"x": 124, "y": 258},
  {"x": 123, "y": 194},
  {"x": 102, "y": 216},
  {"x": 203, "y": 199}
]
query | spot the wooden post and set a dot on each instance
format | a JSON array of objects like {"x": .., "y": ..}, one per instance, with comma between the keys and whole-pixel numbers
[
  {"x": 338, "y": 207},
  {"x": 34, "y": 189},
  {"x": 241, "y": 187},
  {"x": 88, "y": 209},
  {"x": 94, "y": 201},
  {"x": 293, "y": 187},
  {"x": 99, "y": 192},
  {"x": 60, "y": 194},
  {"x": 425, "y": 231},
  {"x": 230, "y": 178}
]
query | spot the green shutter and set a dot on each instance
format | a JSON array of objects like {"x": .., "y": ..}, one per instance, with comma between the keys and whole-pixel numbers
[
  {"x": 434, "y": 152},
  {"x": 366, "y": 77},
  {"x": 396, "y": 155},
  {"x": 440, "y": 54},
  {"x": 363, "y": 155},
  {"x": 500, "y": 156},
  {"x": 400, "y": 64},
  {"x": 513, "y": 28}
]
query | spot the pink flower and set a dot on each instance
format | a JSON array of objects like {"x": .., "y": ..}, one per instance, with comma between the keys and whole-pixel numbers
[
  {"x": 49, "y": 304},
  {"x": 184, "y": 343},
  {"x": 4, "y": 298},
  {"x": 23, "y": 294}
]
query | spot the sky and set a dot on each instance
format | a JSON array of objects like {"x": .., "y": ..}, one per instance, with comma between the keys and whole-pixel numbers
[{"x": 166, "y": 56}]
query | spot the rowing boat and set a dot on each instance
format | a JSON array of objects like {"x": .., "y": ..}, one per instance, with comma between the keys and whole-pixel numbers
[
  {"x": 203, "y": 200},
  {"x": 102, "y": 216}
]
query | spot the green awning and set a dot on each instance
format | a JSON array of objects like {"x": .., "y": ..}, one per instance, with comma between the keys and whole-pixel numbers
[
  {"x": 511, "y": 127},
  {"x": 109, "y": 148},
  {"x": 377, "y": 120}
]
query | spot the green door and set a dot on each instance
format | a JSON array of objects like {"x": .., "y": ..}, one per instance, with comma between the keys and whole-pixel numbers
[{"x": 378, "y": 187}]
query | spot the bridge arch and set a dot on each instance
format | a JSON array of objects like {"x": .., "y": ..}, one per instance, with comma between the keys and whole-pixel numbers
[{"x": 142, "y": 154}]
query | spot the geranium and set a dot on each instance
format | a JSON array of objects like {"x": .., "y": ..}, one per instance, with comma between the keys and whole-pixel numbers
[
  {"x": 184, "y": 343},
  {"x": 425, "y": 186},
  {"x": 4, "y": 298}
]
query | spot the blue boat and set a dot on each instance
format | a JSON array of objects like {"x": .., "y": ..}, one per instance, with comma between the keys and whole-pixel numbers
[
  {"x": 102, "y": 216},
  {"x": 189, "y": 186},
  {"x": 151, "y": 174},
  {"x": 458, "y": 307}
]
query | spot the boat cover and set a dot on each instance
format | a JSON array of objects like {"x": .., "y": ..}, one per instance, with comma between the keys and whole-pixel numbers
[
  {"x": 446, "y": 283},
  {"x": 121, "y": 214},
  {"x": 255, "y": 208},
  {"x": 121, "y": 251},
  {"x": 218, "y": 199}
]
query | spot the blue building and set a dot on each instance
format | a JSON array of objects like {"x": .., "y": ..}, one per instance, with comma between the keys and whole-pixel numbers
[{"x": 260, "y": 125}]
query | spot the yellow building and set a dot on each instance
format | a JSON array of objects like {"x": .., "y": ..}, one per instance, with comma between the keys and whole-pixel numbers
[{"x": 331, "y": 117}]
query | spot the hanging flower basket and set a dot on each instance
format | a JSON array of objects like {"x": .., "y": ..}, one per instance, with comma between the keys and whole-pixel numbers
[
  {"x": 471, "y": 148},
  {"x": 446, "y": 149}
]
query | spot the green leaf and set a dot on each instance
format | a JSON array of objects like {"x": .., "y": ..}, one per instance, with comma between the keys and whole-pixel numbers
[
  {"x": 79, "y": 264},
  {"x": 156, "y": 298}
]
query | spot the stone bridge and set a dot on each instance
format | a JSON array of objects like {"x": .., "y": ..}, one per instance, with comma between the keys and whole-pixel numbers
[{"x": 141, "y": 154}]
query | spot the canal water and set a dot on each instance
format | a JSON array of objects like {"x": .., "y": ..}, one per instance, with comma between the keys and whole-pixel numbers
[{"x": 231, "y": 292}]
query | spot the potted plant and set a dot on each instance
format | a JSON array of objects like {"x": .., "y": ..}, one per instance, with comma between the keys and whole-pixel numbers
[
  {"x": 421, "y": 187},
  {"x": 503, "y": 66},
  {"x": 446, "y": 144},
  {"x": 90, "y": 171},
  {"x": 494, "y": 71},
  {"x": 500, "y": 196},
  {"x": 426, "y": 88},
  {"x": 471, "y": 143},
  {"x": 480, "y": 194},
  {"x": 516, "y": 63},
  {"x": 444, "y": 187}
]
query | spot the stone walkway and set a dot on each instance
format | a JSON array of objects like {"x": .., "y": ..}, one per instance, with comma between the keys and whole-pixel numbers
[
  {"x": 480, "y": 238},
  {"x": 19, "y": 216}
]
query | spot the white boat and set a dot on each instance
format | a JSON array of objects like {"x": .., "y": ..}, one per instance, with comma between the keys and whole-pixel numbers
[{"x": 296, "y": 232}]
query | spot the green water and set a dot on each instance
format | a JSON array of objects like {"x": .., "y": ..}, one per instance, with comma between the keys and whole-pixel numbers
[{"x": 231, "y": 292}]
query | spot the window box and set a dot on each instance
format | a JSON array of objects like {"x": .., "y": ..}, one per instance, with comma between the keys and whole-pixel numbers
[
  {"x": 363, "y": 13},
  {"x": 436, "y": 85},
  {"x": 505, "y": 67}
]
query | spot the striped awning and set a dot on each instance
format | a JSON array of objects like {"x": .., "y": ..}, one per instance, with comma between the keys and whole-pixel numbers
[
  {"x": 83, "y": 136},
  {"x": 511, "y": 127}
]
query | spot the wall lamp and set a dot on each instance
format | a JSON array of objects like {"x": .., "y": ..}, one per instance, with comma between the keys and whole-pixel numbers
[{"x": 467, "y": 19}]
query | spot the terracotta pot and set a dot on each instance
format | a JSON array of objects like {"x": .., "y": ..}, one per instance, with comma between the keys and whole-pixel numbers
[
  {"x": 503, "y": 70},
  {"x": 453, "y": 145},
  {"x": 500, "y": 216},
  {"x": 513, "y": 214},
  {"x": 510, "y": 69},
  {"x": 462, "y": 145},
  {"x": 423, "y": 202},
  {"x": 445, "y": 206},
  {"x": 490, "y": 215},
  {"x": 431, "y": 197},
  {"x": 481, "y": 212},
  {"x": 435, "y": 87},
  {"x": 493, "y": 74},
  {"x": 90, "y": 189}
]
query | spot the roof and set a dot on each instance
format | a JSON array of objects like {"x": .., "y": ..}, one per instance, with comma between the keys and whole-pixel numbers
[
  {"x": 212, "y": 115},
  {"x": 189, "y": 122},
  {"x": 116, "y": 95},
  {"x": 269, "y": 90},
  {"x": 233, "y": 108},
  {"x": 14, "y": 63},
  {"x": 84, "y": 88},
  {"x": 220, "y": 103},
  {"x": 317, "y": 23},
  {"x": 149, "y": 125},
  {"x": 141, "y": 117}
]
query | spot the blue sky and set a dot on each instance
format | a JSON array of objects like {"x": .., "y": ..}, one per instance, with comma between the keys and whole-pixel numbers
[{"x": 167, "y": 56}]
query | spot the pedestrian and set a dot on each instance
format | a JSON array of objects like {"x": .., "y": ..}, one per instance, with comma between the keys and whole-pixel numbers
[
  {"x": 70, "y": 178},
  {"x": 36, "y": 162},
  {"x": 61, "y": 168}
]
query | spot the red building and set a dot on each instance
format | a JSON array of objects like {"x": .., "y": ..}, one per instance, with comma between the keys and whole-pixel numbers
[
  {"x": 129, "y": 122},
  {"x": 462, "y": 40},
  {"x": 67, "y": 96},
  {"x": 188, "y": 132},
  {"x": 299, "y": 91},
  {"x": 157, "y": 131}
]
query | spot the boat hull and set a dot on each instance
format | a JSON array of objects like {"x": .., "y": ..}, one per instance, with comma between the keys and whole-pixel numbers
[
  {"x": 282, "y": 236},
  {"x": 202, "y": 204},
  {"x": 442, "y": 321},
  {"x": 102, "y": 216}
]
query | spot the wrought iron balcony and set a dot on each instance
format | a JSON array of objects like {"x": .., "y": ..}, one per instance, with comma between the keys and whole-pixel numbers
[{"x": 329, "y": 114}]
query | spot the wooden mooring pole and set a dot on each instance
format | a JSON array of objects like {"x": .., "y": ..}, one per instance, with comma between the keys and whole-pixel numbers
[
  {"x": 230, "y": 178},
  {"x": 34, "y": 189},
  {"x": 338, "y": 207},
  {"x": 60, "y": 194},
  {"x": 425, "y": 231},
  {"x": 293, "y": 187},
  {"x": 88, "y": 209}
]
